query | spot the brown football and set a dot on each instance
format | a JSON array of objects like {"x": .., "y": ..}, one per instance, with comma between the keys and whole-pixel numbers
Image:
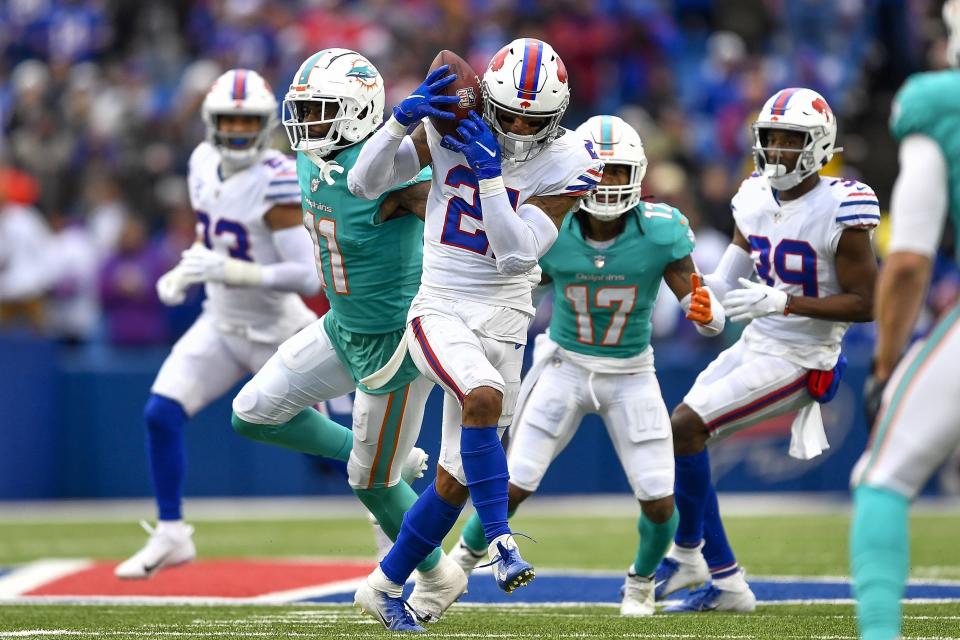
[{"x": 466, "y": 87}]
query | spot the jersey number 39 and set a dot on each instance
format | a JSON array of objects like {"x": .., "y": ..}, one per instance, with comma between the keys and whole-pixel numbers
[{"x": 801, "y": 270}]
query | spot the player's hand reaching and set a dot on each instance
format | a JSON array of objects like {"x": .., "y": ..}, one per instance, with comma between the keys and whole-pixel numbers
[
  {"x": 479, "y": 146},
  {"x": 200, "y": 264},
  {"x": 426, "y": 98},
  {"x": 754, "y": 300},
  {"x": 700, "y": 305},
  {"x": 172, "y": 287}
]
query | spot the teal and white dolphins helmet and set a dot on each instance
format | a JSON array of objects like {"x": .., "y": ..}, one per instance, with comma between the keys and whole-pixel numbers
[
  {"x": 351, "y": 96},
  {"x": 616, "y": 142}
]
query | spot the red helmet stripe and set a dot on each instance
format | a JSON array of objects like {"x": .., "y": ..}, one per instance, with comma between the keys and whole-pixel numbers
[
  {"x": 240, "y": 84},
  {"x": 530, "y": 75},
  {"x": 780, "y": 104}
]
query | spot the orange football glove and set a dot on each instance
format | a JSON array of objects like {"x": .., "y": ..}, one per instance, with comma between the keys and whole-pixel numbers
[{"x": 700, "y": 310}]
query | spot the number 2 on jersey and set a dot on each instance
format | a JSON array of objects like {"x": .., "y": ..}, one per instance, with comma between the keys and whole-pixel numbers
[
  {"x": 605, "y": 298},
  {"x": 453, "y": 234}
]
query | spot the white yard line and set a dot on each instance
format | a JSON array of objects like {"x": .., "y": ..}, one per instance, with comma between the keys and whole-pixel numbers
[{"x": 32, "y": 575}]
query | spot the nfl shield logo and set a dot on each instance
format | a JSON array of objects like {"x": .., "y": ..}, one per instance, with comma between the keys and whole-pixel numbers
[
  {"x": 599, "y": 261},
  {"x": 314, "y": 185}
]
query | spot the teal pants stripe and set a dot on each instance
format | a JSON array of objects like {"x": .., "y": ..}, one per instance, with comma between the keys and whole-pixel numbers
[{"x": 883, "y": 429}]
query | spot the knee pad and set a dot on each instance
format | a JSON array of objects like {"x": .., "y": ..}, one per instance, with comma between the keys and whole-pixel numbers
[
  {"x": 163, "y": 415},
  {"x": 250, "y": 407}
]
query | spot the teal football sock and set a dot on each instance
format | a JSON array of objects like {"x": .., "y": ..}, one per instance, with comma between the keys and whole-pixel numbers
[
  {"x": 655, "y": 540},
  {"x": 388, "y": 505},
  {"x": 307, "y": 432},
  {"x": 879, "y": 560},
  {"x": 472, "y": 533}
]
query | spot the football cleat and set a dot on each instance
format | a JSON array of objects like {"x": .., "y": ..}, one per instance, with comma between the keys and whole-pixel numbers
[
  {"x": 391, "y": 612},
  {"x": 509, "y": 569},
  {"x": 436, "y": 590},
  {"x": 636, "y": 595},
  {"x": 466, "y": 557},
  {"x": 166, "y": 548},
  {"x": 673, "y": 575},
  {"x": 415, "y": 465},
  {"x": 711, "y": 598}
]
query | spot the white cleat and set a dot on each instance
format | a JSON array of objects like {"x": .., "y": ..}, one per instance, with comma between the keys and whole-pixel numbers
[
  {"x": 415, "y": 465},
  {"x": 680, "y": 572},
  {"x": 437, "y": 589},
  {"x": 712, "y": 598},
  {"x": 637, "y": 595},
  {"x": 167, "y": 547},
  {"x": 465, "y": 557}
]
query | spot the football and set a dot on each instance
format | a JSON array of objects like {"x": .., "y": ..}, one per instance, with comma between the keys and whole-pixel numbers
[{"x": 466, "y": 87}]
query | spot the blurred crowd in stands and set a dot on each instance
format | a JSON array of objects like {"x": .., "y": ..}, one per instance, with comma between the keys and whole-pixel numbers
[{"x": 99, "y": 110}]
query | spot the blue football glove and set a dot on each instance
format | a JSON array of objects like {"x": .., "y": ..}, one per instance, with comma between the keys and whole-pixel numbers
[
  {"x": 424, "y": 99},
  {"x": 479, "y": 146}
]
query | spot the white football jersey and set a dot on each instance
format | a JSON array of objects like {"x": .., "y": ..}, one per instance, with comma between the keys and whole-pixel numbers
[
  {"x": 230, "y": 220},
  {"x": 458, "y": 263},
  {"x": 794, "y": 246}
]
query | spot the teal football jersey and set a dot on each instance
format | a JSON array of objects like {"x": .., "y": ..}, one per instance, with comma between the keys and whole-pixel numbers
[
  {"x": 603, "y": 298},
  {"x": 929, "y": 104},
  {"x": 371, "y": 270}
]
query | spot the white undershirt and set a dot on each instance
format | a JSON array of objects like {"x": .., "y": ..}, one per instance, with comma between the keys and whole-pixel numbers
[
  {"x": 600, "y": 244},
  {"x": 918, "y": 207}
]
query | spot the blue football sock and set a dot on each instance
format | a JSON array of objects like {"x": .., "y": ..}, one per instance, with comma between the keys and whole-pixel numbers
[
  {"x": 165, "y": 451},
  {"x": 879, "y": 560},
  {"x": 716, "y": 548},
  {"x": 692, "y": 488},
  {"x": 485, "y": 466},
  {"x": 424, "y": 527}
]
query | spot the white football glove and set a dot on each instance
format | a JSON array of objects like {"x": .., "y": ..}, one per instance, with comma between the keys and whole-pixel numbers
[
  {"x": 201, "y": 264},
  {"x": 755, "y": 300},
  {"x": 172, "y": 287}
]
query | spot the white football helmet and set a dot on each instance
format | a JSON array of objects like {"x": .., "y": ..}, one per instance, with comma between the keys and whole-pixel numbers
[
  {"x": 616, "y": 142},
  {"x": 525, "y": 78},
  {"x": 351, "y": 95},
  {"x": 951, "y": 17},
  {"x": 240, "y": 92},
  {"x": 795, "y": 109}
]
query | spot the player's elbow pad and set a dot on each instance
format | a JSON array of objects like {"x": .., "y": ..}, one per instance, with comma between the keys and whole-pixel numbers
[
  {"x": 515, "y": 265},
  {"x": 531, "y": 246}
]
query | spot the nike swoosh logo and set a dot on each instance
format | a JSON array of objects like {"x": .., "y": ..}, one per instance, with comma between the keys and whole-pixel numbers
[
  {"x": 150, "y": 568},
  {"x": 861, "y": 187},
  {"x": 493, "y": 154}
]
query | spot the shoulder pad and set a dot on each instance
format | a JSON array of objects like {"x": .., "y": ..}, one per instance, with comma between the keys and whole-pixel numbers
[
  {"x": 922, "y": 101},
  {"x": 857, "y": 203},
  {"x": 662, "y": 223}
]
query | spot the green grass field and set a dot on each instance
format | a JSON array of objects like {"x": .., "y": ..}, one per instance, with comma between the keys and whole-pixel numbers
[{"x": 807, "y": 545}]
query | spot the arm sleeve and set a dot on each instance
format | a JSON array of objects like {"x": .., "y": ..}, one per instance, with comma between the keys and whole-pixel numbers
[
  {"x": 918, "y": 207},
  {"x": 735, "y": 263},
  {"x": 388, "y": 158},
  {"x": 297, "y": 271},
  {"x": 518, "y": 239}
]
